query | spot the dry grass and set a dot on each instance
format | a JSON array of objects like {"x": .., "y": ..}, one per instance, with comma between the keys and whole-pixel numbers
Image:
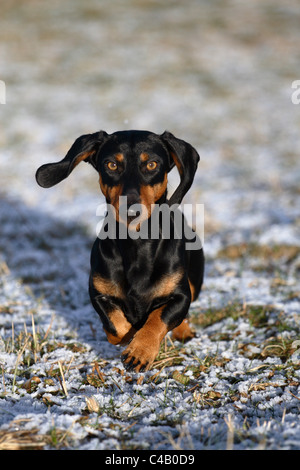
[
  {"x": 22, "y": 440},
  {"x": 170, "y": 354},
  {"x": 256, "y": 314},
  {"x": 30, "y": 347},
  {"x": 264, "y": 252},
  {"x": 15, "y": 438}
]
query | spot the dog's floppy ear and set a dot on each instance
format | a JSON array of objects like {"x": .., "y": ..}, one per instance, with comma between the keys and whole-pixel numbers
[
  {"x": 84, "y": 148},
  {"x": 186, "y": 159}
]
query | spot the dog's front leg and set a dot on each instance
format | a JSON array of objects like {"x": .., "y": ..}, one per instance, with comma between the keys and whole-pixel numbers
[
  {"x": 117, "y": 328},
  {"x": 144, "y": 347}
]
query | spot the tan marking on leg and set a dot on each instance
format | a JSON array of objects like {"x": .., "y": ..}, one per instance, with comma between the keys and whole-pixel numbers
[
  {"x": 167, "y": 284},
  {"x": 144, "y": 347},
  {"x": 124, "y": 329},
  {"x": 107, "y": 287},
  {"x": 183, "y": 332}
]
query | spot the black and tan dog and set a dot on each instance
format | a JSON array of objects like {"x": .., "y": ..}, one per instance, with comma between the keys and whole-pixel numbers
[{"x": 141, "y": 287}]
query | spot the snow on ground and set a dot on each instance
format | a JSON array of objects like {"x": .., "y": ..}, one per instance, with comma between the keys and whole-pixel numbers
[{"x": 218, "y": 75}]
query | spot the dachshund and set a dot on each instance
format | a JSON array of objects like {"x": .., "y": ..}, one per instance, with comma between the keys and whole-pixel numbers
[{"x": 141, "y": 286}]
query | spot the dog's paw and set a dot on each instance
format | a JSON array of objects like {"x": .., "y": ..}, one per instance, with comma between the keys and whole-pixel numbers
[
  {"x": 139, "y": 355},
  {"x": 183, "y": 332}
]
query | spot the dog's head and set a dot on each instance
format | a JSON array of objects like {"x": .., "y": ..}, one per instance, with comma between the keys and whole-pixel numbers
[{"x": 134, "y": 164}]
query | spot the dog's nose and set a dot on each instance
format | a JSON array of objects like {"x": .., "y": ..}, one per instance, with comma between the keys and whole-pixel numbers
[{"x": 133, "y": 198}]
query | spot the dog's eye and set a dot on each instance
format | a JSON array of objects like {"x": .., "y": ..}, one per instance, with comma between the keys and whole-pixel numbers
[
  {"x": 151, "y": 166},
  {"x": 112, "y": 166}
]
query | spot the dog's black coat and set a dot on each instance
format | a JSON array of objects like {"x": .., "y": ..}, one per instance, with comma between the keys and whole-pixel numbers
[{"x": 141, "y": 288}]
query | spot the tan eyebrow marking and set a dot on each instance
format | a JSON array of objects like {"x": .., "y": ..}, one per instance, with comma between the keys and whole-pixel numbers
[
  {"x": 144, "y": 157},
  {"x": 120, "y": 157}
]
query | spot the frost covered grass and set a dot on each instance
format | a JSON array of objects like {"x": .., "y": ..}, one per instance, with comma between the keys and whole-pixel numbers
[
  {"x": 222, "y": 83},
  {"x": 63, "y": 386}
]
